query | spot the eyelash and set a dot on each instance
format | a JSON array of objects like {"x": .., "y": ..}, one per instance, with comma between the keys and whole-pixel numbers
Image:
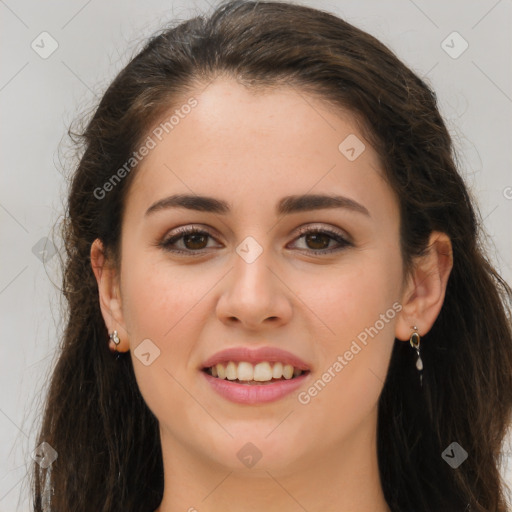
[{"x": 167, "y": 243}]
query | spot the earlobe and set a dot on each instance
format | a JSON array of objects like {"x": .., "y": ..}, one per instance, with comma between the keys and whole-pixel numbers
[
  {"x": 425, "y": 291},
  {"x": 108, "y": 293}
]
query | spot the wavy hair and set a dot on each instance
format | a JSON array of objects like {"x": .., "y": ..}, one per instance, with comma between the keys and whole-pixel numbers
[{"x": 94, "y": 415}]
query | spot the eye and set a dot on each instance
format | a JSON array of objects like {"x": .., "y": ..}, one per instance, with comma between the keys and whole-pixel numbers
[
  {"x": 194, "y": 240},
  {"x": 319, "y": 239}
]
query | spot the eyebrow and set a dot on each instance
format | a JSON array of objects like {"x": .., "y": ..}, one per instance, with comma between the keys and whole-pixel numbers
[{"x": 287, "y": 205}]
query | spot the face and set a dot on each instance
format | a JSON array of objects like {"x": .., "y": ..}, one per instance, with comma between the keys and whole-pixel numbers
[{"x": 313, "y": 284}]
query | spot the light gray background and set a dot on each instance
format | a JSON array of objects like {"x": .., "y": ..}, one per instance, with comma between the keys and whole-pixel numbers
[{"x": 39, "y": 97}]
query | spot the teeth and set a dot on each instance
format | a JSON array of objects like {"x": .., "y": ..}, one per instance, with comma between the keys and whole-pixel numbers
[
  {"x": 231, "y": 373},
  {"x": 277, "y": 371},
  {"x": 260, "y": 372},
  {"x": 245, "y": 371},
  {"x": 221, "y": 371},
  {"x": 288, "y": 371}
]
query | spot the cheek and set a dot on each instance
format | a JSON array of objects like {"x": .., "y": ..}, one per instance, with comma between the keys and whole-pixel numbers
[
  {"x": 155, "y": 297},
  {"x": 158, "y": 305},
  {"x": 353, "y": 297},
  {"x": 359, "y": 306}
]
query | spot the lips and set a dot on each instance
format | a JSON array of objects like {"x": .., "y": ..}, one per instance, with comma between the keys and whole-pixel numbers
[
  {"x": 241, "y": 375},
  {"x": 255, "y": 356}
]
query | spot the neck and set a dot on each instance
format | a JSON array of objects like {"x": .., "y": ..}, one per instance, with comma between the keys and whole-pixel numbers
[{"x": 342, "y": 478}]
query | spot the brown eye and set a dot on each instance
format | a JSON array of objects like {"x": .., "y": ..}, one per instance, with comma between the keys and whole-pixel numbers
[
  {"x": 193, "y": 240},
  {"x": 318, "y": 240}
]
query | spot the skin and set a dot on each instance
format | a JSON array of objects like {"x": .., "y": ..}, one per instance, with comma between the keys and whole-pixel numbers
[{"x": 251, "y": 149}]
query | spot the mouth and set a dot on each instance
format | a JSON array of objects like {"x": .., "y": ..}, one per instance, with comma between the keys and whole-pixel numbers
[
  {"x": 255, "y": 376},
  {"x": 259, "y": 374}
]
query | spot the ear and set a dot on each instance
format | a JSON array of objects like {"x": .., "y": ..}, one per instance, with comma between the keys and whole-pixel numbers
[
  {"x": 109, "y": 294},
  {"x": 424, "y": 292}
]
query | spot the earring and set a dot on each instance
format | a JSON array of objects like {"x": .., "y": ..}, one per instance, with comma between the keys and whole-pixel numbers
[
  {"x": 115, "y": 339},
  {"x": 414, "y": 340}
]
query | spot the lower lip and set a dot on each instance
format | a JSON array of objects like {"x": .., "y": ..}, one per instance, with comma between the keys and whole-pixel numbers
[{"x": 254, "y": 394}]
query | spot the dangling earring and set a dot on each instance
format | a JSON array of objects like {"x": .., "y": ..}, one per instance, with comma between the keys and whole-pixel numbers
[
  {"x": 115, "y": 339},
  {"x": 46, "y": 496},
  {"x": 414, "y": 340}
]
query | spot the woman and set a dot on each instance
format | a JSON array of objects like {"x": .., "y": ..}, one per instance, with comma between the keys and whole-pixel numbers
[{"x": 277, "y": 296}]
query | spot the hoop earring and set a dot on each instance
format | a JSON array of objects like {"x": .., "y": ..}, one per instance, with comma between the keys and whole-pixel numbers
[{"x": 414, "y": 340}]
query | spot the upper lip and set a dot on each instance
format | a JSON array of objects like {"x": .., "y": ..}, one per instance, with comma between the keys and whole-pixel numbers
[{"x": 258, "y": 355}]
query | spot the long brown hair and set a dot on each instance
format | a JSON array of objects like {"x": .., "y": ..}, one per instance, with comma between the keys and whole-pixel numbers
[{"x": 95, "y": 417}]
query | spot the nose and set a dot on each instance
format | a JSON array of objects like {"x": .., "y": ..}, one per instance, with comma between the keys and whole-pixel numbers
[{"x": 255, "y": 296}]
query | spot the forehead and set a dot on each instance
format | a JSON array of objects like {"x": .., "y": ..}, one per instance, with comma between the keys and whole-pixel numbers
[{"x": 249, "y": 143}]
